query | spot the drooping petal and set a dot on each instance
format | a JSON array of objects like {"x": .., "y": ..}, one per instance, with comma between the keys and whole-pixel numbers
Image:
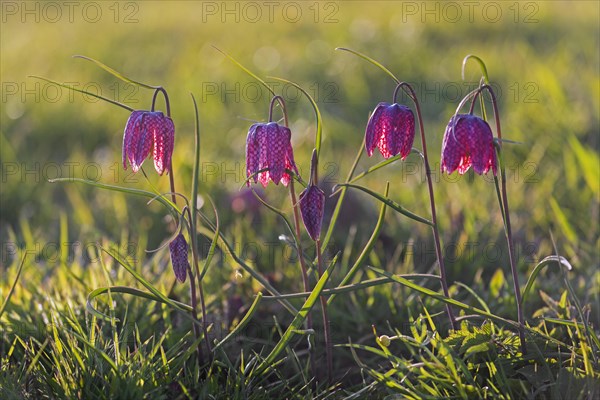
[
  {"x": 279, "y": 139},
  {"x": 373, "y": 131},
  {"x": 312, "y": 206},
  {"x": 468, "y": 142},
  {"x": 481, "y": 140},
  {"x": 141, "y": 144},
  {"x": 263, "y": 141},
  {"x": 406, "y": 124},
  {"x": 451, "y": 148},
  {"x": 290, "y": 164},
  {"x": 163, "y": 131},
  {"x": 179, "y": 257},
  {"x": 252, "y": 154},
  {"x": 129, "y": 133}
]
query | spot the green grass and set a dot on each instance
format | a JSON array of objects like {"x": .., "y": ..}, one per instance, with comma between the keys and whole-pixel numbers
[{"x": 53, "y": 346}]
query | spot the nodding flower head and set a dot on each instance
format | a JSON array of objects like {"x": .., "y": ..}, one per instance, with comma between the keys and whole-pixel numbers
[
  {"x": 312, "y": 202},
  {"x": 468, "y": 141},
  {"x": 179, "y": 257},
  {"x": 312, "y": 205},
  {"x": 269, "y": 154},
  {"x": 391, "y": 129},
  {"x": 148, "y": 132}
]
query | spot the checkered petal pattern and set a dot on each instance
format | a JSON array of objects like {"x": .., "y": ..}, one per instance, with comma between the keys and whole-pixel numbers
[
  {"x": 312, "y": 206},
  {"x": 148, "y": 132},
  {"x": 391, "y": 129},
  {"x": 179, "y": 257},
  {"x": 269, "y": 153},
  {"x": 468, "y": 141}
]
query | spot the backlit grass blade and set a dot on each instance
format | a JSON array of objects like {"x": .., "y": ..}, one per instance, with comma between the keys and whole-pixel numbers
[
  {"x": 318, "y": 117},
  {"x": 428, "y": 292},
  {"x": 246, "y": 70},
  {"x": 351, "y": 288},
  {"x": 546, "y": 261},
  {"x": 242, "y": 323},
  {"x": 340, "y": 201},
  {"x": 296, "y": 324},
  {"x": 368, "y": 247},
  {"x": 127, "y": 290},
  {"x": 138, "y": 192},
  {"x": 380, "y": 164},
  {"x": 140, "y": 278},
  {"x": 12, "y": 288},
  {"x": 115, "y": 73},
  {"x": 392, "y": 204},
  {"x": 256, "y": 275},
  {"x": 116, "y": 103},
  {"x": 372, "y": 61}
]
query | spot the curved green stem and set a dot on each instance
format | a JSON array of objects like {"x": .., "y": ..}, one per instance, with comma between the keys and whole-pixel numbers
[
  {"x": 162, "y": 90},
  {"x": 481, "y": 65},
  {"x": 436, "y": 234},
  {"x": 372, "y": 61},
  {"x": 507, "y": 225}
]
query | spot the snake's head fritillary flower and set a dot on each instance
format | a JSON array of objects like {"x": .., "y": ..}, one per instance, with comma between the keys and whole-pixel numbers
[
  {"x": 312, "y": 201},
  {"x": 179, "y": 257},
  {"x": 269, "y": 150},
  {"x": 148, "y": 132},
  {"x": 391, "y": 129},
  {"x": 312, "y": 206},
  {"x": 468, "y": 141}
]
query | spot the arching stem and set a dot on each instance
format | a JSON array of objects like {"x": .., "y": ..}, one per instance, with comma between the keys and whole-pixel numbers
[
  {"x": 507, "y": 225},
  {"x": 436, "y": 235}
]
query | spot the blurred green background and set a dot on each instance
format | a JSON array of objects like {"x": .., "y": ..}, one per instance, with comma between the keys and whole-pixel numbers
[{"x": 543, "y": 58}]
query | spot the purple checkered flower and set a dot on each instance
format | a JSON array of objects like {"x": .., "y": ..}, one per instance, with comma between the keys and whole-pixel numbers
[
  {"x": 269, "y": 154},
  {"x": 391, "y": 129},
  {"x": 179, "y": 257},
  {"x": 312, "y": 205},
  {"x": 468, "y": 141},
  {"x": 148, "y": 132}
]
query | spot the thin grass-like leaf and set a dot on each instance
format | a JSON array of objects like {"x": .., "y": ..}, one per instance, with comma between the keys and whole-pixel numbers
[
  {"x": 115, "y": 73},
  {"x": 141, "y": 279},
  {"x": 246, "y": 70},
  {"x": 296, "y": 324},
  {"x": 313, "y": 103},
  {"x": 441, "y": 297},
  {"x": 242, "y": 323},
  {"x": 12, "y": 288},
  {"x": 138, "y": 192},
  {"x": 368, "y": 247},
  {"x": 392, "y": 204},
  {"x": 546, "y": 261},
  {"x": 132, "y": 291},
  {"x": 340, "y": 201},
  {"x": 261, "y": 279},
  {"x": 372, "y": 61},
  {"x": 116, "y": 103}
]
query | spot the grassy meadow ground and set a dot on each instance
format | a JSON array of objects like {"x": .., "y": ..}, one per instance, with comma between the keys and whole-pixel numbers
[{"x": 543, "y": 60}]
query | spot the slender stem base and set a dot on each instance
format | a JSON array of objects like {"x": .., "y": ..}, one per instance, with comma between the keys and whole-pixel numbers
[
  {"x": 513, "y": 267},
  {"x": 305, "y": 281},
  {"x": 326, "y": 325},
  {"x": 436, "y": 234}
]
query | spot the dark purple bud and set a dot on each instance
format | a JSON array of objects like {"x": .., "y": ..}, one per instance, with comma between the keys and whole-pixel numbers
[
  {"x": 312, "y": 206},
  {"x": 179, "y": 257}
]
